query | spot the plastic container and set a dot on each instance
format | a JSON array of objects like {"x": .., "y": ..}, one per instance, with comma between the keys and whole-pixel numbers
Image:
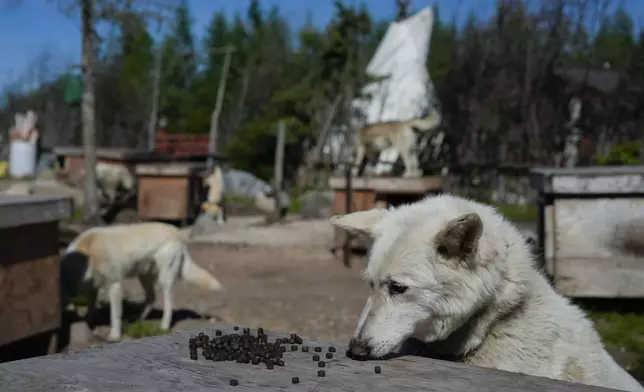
[{"x": 22, "y": 158}]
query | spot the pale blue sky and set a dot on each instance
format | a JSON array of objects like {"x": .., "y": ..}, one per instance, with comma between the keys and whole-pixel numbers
[{"x": 33, "y": 27}]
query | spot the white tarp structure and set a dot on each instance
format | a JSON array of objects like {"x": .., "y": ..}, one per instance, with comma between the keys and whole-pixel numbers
[{"x": 408, "y": 91}]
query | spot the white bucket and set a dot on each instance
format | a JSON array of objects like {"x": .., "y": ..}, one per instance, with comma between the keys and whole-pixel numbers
[{"x": 22, "y": 158}]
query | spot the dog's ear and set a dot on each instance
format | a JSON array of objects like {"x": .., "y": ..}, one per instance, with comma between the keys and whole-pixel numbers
[
  {"x": 460, "y": 236},
  {"x": 361, "y": 222}
]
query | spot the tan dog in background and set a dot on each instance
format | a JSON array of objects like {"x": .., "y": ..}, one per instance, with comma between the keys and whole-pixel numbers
[
  {"x": 212, "y": 205},
  {"x": 373, "y": 139},
  {"x": 150, "y": 251}
]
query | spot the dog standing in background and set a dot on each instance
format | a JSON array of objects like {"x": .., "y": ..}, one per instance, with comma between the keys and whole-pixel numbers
[
  {"x": 103, "y": 257},
  {"x": 401, "y": 135}
]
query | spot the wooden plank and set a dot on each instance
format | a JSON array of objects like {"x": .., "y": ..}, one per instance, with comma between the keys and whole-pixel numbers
[
  {"x": 29, "y": 281},
  {"x": 105, "y": 153},
  {"x": 17, "y": 210},
  {"x": 162, "y": 364},
  {"x": 420, "y": 185},
  {"x": 163, "y": 198},
  {"x": 616, "y": 277},
  {"x": 598, "y": 179},
  {"x": 169, "y": 169}
]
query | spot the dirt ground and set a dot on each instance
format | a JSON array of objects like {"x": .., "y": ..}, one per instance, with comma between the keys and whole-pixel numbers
[{"x": 283, "y": 278}]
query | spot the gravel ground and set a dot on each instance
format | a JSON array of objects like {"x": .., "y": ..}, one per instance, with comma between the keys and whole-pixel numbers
[{"x": 282, "y": 277}]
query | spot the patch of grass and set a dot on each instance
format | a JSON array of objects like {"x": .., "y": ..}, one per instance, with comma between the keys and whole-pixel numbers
[
  {"x": 296, "y": 205},
  {"x": 79, "y": 300},
  {"x": 626, "y": 331},
  {"x": 77, "y": 216},
  {"x": 144, "y": 328},
  {"x": 237, "y": 199},
  {"x": 518, "y": 213}
]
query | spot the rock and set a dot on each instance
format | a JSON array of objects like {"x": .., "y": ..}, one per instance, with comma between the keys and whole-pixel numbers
[
  {"x": 316, "y": 204},
  {"x": 205, "y": 224}
]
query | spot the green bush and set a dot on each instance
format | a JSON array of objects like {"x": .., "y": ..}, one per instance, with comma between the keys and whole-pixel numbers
[
  {"x": 621, "y": 154},
  {"x": 142, "y": 329}
]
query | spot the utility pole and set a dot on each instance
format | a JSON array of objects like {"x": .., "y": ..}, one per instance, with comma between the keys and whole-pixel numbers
[
  {"x": 214, "y": 118},
  {"x": 154, "y": 111},
  {"x": 88, "y": 111},
  {"x": 279, "y": 170}
]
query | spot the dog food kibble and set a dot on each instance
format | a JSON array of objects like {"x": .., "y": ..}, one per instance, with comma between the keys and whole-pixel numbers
[
  {"x": 234, "y": 383},
  {"x": 318, "y": 349},
  {"x": 239, "y": 347},
  {"x": 305, "y": 349},
  {"x": 377, "y": 369},
  {"x": 316, "y": 358},
  {"x": 295, "y": 380},
  {"x": 331, "y": 349},
  {"x": 320, "y": 373},
  {"x": 321, "y": 364},
  {"x": 329, "y": 355}
]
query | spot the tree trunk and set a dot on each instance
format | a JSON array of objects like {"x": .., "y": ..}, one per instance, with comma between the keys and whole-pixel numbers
[{"x": 90, "y": 206}]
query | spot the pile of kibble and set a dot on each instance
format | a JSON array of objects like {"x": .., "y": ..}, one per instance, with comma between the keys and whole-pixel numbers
[{"x": 253, "y": 349}]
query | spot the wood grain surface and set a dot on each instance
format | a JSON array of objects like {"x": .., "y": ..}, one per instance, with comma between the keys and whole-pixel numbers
[
  {"x": 162, "y": 364},
  {"x": 29, "y": 281}
]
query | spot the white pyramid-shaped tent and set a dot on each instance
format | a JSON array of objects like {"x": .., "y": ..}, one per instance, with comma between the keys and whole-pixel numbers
[{"x": 401, "y": 55}]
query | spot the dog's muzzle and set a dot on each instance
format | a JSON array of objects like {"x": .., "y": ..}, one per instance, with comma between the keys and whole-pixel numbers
[{"x": 358, "y": 350}]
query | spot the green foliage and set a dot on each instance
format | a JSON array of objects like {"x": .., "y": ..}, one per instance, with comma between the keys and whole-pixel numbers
[
  {"x": 519, "y": 213},
  {"x": 143, "y": 329},
  {"x": 621, "y": 154},
  {"x": 179, "y": 71},
  {"x": 626, "y": 331},
  {"x": 614, "y": 42}
]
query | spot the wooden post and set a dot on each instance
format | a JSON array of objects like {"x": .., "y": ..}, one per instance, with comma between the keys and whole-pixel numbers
[
  {"x": 214, "y": 119},
  {"x": 279, "y": 170},
  {"x": 154, "y": 111},
  {"x": 90, "y": 203}
]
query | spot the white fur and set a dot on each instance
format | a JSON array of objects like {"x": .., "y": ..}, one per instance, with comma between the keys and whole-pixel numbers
[
  {"x": 488, "y": 306},
  {"x": 215, "y": 184},
  {"x": 152, "y": 252},
  {"x": 111, "y": 177}
]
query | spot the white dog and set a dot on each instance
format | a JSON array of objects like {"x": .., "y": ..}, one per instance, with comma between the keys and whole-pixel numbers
[
  {"x": 111, "y": 177},
  {"x": 454, "y": 274},
  {"x": 105, "y": 256}
]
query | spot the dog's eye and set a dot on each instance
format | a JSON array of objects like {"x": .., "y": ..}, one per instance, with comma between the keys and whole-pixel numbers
[{"x": 396, "y": 288}]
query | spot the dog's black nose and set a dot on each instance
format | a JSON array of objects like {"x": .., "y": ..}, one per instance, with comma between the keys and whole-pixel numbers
[{"x": 358, "y": 349}]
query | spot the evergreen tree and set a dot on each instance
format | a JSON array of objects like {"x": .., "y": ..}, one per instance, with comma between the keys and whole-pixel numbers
[{"x": 179, "y": 71}]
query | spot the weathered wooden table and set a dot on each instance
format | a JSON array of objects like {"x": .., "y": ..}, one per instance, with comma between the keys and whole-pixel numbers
[{"x": 162, "y": 364}]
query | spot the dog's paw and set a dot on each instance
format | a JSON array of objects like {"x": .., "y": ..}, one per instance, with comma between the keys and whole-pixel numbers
[{"x": 113, "y": 338}]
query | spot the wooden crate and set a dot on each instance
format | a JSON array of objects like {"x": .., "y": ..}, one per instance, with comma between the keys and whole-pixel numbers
[
  {"x": 561, "y": 192},
  {"x": 371, "y": 192},
  {"x": 170, "y": 191},
  {"x": 29, "y": 272}
]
